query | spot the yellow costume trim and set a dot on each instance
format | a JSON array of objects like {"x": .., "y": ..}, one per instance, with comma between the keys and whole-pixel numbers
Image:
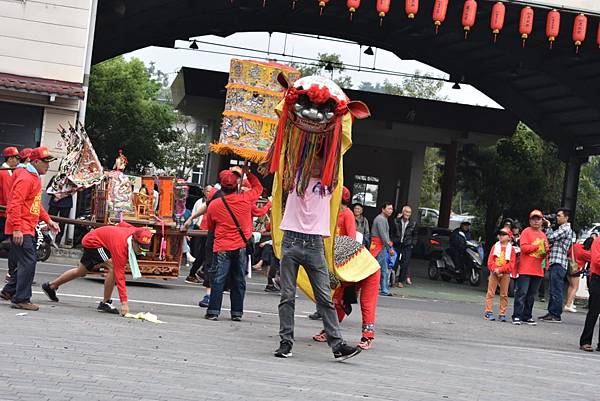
[
  {"x": 255, "y": 156},
  {"x": 254, "y": 89}
]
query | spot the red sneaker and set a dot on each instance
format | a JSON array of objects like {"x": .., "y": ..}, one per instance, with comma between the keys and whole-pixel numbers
[
  {"x": 365, "y": 343},
  {"x": 321, "y": 337}
]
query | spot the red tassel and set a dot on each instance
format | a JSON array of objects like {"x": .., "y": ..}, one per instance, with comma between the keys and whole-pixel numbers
[
  {"x": 327, "y": 176},
  {"x": 279, "y": 139}
]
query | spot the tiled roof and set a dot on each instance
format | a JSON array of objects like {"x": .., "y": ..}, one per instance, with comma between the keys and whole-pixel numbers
[{"x": 40, "y": 85}]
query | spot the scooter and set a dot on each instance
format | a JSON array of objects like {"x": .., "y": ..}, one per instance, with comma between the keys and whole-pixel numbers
[
  {"x": 43, "y": 242},
  {"x": 441, "y": 264}
]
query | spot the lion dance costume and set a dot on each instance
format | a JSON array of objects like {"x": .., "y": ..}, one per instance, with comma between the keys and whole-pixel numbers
[{"x": 315, "y": 120}]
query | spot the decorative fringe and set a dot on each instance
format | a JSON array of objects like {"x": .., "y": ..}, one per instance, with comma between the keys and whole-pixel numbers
[{"x": 247, "y": 154}]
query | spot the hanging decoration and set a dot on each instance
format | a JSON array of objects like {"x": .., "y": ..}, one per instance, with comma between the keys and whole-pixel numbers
[
  {"x": 497, "y": 19},
  {"x": 294, "y": 4},
  {"x": 264, "y": 3},
  {"x": 552, "y": 26},
  {"x": 322, "y": 4},
  {"x": 411, "y": 8},
  {"x": 579, "y": 31},
  {"x": 352, "y": 7},
  {"x": 440, "y": 7},
  {"x": 383, "y": 7},
  {"x": 526, "y": 23},
  {"x": 598, "y": 35},
  {"x": 468, "y": 16}
]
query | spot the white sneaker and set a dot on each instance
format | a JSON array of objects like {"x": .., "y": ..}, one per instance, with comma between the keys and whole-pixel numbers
[{"x": 570, "y": 308}]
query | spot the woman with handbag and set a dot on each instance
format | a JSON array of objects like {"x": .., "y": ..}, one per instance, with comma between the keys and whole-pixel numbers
[{"x": 580, "y": 255}]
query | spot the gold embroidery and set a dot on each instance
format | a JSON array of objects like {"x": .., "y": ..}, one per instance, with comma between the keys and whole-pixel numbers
[{"x": 35, "y": 206}]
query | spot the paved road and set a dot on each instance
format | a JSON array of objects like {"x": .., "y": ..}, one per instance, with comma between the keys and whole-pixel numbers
[{"x": 427, "y": 348}]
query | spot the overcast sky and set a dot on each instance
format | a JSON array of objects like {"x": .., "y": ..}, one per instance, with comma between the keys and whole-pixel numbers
[{"x": 294, "y": 46}]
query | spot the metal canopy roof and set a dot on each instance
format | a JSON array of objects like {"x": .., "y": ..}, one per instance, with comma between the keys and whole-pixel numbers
[{"x": 555, "y": 92}]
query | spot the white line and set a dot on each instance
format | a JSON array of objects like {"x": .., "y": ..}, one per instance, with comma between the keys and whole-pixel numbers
[{"x": 162, "y": 303}]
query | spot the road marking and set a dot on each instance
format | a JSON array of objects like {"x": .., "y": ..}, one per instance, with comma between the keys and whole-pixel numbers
[{"x": 139, "y": 301}]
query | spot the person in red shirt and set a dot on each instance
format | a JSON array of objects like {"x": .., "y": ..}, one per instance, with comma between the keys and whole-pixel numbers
[
  {"x": 585, "y": 342},
  {"x": 501, "y": 264},
  {"x": 11, "y": 160},
  {"x": 368, "y": 288},
  {"x": 230, "y": 217},
  {"x": 582, "y": 255},
  {"x": 532, "y": 263},
  {"x": 111, "y": 246},
  {"x": 24, "y": 211}
]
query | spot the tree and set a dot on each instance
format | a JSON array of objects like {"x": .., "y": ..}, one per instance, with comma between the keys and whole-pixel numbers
[
  {"x": 588, "y": 196},
  {"x": 511, "y": 178},
  {"x": 188, "y": 149},
  {"x": 432, "y": 173},
  {"x": 321, "y": 67},
  {"x": 124, "y": 113},
  {"x": 421, "y": 88}
]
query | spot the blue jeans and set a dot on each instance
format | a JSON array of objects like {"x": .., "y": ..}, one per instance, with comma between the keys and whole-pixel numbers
[
  {"x": 556, "y": 289},
  {"x": 384, "y": 283},
  {"x": 525, "y": 289},
  {"x": 22, "y": 278},
  {"x": 229, "y": 266}
]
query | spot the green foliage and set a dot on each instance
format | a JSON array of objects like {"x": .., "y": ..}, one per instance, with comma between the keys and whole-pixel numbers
[
  {"x": 432, "y": 174},
  {"x": 421, "y": 88},
  {"x": 124, "y": 113},
  {"x": 588, "y": 197},
  {"x": 512, "y": 177},
  {"x": 319, "y": 68},
  {"x": 187, "y": 150}
]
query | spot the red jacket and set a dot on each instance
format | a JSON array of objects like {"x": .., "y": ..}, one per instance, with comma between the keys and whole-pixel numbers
[
  {"x": 113, "y": 238},
  {"x": 530, "y": 262},
  {"x": 261, "y": 211},
  {"x": 218, "y": 218},
  {"x": 508, "y": 266},
  {"x": 346, "y": 223},
  {"x": 582, "y": 256},
  {"x": 595, "y": 262},
  {"x": 24, "y": 209},
  {"x": 5, "y": 184}
]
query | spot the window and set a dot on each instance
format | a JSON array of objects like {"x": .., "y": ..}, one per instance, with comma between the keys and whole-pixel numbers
[{"x": 365, "y": 190}]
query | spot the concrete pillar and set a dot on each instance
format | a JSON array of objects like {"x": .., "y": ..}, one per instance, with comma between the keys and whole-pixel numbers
[
  {"x": 448, "y": 185},
  {"x": 416, "y": 176},
  {"x": 571, "y": 184}
]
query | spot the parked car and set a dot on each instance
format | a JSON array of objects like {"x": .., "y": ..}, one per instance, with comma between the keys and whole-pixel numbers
[
  {"x": 586, "y": 232},
  {"x": 430, "y": 217}
]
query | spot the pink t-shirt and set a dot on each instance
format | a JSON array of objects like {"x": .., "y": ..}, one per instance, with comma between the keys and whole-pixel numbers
[{"x": 309, "y": 214}]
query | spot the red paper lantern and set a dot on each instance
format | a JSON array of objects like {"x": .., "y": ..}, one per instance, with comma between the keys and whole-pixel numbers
[
  {"x": 383, "y": 7},
  {"x": 579, "y": 30},
  {"x": 468, "y": 15},
  {"x": 497, "y": 19},
  {"x": 440, "y": 7},
  {"x": 322, "y": 4},
  {"x": 412, "y": 8},
  {"x": 552, "y": 26},
  {"x": 352, "y": 6},
  {"x": 526, "y": 23}
]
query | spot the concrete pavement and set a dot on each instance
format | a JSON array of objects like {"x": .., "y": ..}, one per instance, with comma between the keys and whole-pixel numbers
[{"x": 427, "y": 348}]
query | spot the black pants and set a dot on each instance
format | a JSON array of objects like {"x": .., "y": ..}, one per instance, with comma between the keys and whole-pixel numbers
[
  {"x": 593, "y": 311},
  {"x": 61, "y": 212},
  {"x": 198, "y": 245},
  {"x": 22, "y": 278},
  {"x": 406, "y": 252},
  {"x": 273, "y": 270}
]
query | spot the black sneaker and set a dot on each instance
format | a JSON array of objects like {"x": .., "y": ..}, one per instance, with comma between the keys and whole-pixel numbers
[
  {"x": 271, "y": 288},
  {"x": 516, "y": 321},
  {"x": 344, "y": 351},
  {"x": 192, "y": 280},
  {"x": 530, "y": 322},
  {"x": 315, "y": 316},
  {"x": 550, "y": 318},
  {"x": 210, "y": 316},
  {"x": 284, "y": 350},
  {"x": 236, "y": 318},
  {"x": 49, "y": 292},
  {"x": 107, "y": 307}
]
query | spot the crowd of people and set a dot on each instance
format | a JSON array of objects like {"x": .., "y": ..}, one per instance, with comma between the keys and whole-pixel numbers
[{"x": 231, "y": 215}]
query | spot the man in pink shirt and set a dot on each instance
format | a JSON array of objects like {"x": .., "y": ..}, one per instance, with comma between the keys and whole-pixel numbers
[{"x": 305, "y": 223}]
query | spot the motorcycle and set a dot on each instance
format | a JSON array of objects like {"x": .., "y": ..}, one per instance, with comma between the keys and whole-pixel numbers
[
  {"x": 43, "y": 242},
  {"x": 442, "y": 265}
]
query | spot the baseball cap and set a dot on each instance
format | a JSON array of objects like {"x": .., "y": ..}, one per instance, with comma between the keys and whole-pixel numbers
[
  {"x": 10, "y": 151},
  {"x": 345, "y": 194},
  {"x": 143, "y": 237},
  {"x": 41, "y": 153},
  {"x": 537, "y": 213},
  {"x": 25, "y": 153},
  {"x": 505, "y": 231},
  {"x": 228, "y": 179}
]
